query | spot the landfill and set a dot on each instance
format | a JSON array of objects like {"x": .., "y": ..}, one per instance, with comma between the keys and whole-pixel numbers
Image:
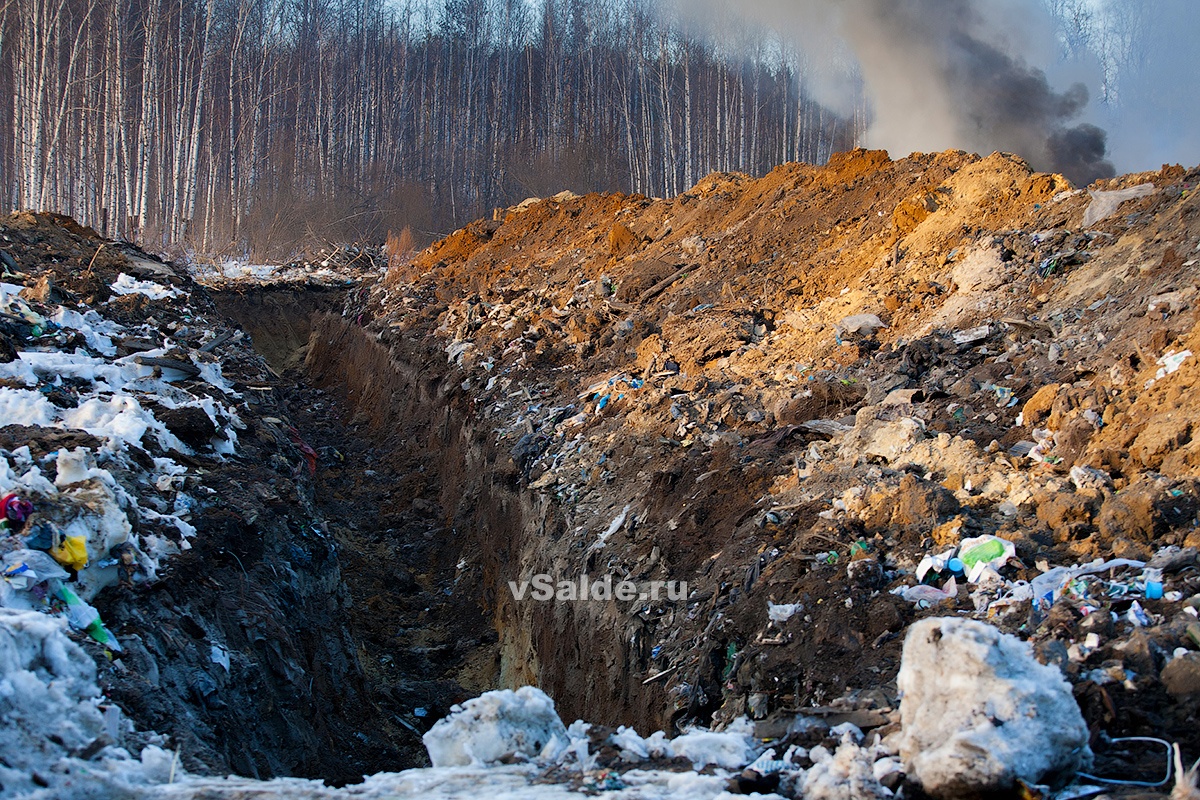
[{"x": 916, "y": 434}]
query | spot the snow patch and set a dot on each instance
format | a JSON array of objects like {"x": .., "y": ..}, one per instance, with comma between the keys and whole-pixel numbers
[
  {"x": 127, "y": 284},
  {"x": 848, "y": 774},
  {"x": 978, "y": 712},
  {"x": 497, "y": 724},
  {"x": 732, "y": 748}
]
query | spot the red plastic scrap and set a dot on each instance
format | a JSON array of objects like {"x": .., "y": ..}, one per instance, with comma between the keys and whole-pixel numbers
[{"x": 309, "y": 454}]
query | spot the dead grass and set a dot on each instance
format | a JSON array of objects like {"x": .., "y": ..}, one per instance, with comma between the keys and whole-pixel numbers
[{"x": 399, "y": 248}]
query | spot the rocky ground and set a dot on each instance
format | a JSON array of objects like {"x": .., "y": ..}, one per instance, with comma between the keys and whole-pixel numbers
[{"x": 786, "y": 392}]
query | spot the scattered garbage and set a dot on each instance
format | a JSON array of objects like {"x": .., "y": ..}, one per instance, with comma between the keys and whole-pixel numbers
[
  {"x": 1170, "y": 751},
  {"x": 83, "y": 617},
  {"x": 780, "y": 613},
  {"x": 972, "y": 335},
  {"x": 1171, "y": 362},
  {"x": 859, "y": 325},
  {"x": 1152, "y": 578},
  {"x": 856, "y": 465},
  {"x": 14, "y": 511},
  {"x": 928, "y": 594},
  {"x": 605, "y": 780},
  {"x": 982, "y": 552},
  {"x": 1048, "y": 586},
  {"x": 70, "y": 551}
]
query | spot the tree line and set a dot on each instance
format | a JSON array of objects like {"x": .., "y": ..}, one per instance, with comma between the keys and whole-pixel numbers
[{"x": 244, "y": 127}]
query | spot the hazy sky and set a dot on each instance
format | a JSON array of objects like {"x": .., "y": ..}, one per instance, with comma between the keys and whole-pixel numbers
[{"x": 989, "y": 74}]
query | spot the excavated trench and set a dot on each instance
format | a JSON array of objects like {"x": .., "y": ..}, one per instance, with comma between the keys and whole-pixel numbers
[{"x": 430, "y": 524}]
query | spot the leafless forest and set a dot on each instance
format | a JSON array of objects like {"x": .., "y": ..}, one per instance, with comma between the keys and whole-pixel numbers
[{"x": 244, "y": 126}]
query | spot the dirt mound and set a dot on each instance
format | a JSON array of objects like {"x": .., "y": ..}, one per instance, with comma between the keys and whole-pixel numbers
[
  {"x": 232, "y": 637},
  {"x": 789, "y": 390}
]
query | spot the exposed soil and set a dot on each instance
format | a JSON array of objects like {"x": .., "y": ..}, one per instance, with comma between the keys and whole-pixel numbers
[
  {"x": 780, "y": 390},
  {"x": 692, "y": 369},
  {"x": 263, "y": 583}
]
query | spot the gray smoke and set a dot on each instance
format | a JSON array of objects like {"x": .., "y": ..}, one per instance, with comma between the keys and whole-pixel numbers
[
  {"x": 985, "y": 96},
  {"x": 949, "y": 74}
]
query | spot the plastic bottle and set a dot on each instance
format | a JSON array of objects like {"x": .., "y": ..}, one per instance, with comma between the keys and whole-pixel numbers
[{"x": 1154, "y": 587}]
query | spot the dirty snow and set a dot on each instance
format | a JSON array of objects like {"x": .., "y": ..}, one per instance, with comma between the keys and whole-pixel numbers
[
  {"x": 487, "y": 728},
  {"x": 978, "y": 712},
  {"x": 127, "y": 284},
  {"x": 61, "y": 740}
]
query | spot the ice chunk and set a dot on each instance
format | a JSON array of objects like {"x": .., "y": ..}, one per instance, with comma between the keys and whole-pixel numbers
[
  {"x": 47, "y": 693},
  {"x": 494, "y": 725},
  {"x": 732, "y": 748},
  {"x": 23, "y": 407},
  {"x": 848, "y": 774},
  {"x": 978, "y": 712}
]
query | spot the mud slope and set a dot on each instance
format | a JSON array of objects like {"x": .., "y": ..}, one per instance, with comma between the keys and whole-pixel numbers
[{"x": 789, "y": 390}]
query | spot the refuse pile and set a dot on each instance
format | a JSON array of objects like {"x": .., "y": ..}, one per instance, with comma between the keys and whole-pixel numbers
[
  {"x": 328, "y": 267},
  {"x": 908, "y": 431},
  {"x": 156, "y": 498},
  {"x": 834, "y": 401}
]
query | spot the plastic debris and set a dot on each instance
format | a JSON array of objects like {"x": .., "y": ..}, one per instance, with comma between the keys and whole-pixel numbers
[
  {"x": 1171, "y": 362},
  {"x": 606, "y": 780},
  {"x": 83, "y": 617},
  {"x": 25, "y": 569},
  {"x": 767, "y": 764},
  {"x": 780, "y": 613},
  {"x": 982, "y": 552},
  {"x": 1152, "y": 578},
  {"x": 931, "y": 594},
  {"x": 1005, "y": 398},
  {"x": 971, "y": 335},
  {"x": 1137, "y": 616},
  {"x": 859, "y": 324},
  {"x": 71, "y": 551},
  {"x": 1149, "y": 784},
  {"x": 1105, "y": 204},
  {"x": 220, "y": 656},
  {"x": 14, "y": 511},
  {"x": 1049, "y": 585},
  {"x": 936, "y": 563}
]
